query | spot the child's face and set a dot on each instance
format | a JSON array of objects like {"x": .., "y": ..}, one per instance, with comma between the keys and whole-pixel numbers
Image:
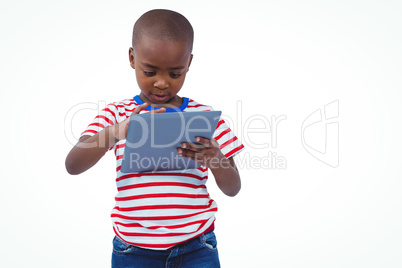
[{"x": 160, "y": 67}]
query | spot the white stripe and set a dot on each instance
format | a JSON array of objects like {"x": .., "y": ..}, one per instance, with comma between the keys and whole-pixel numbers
[
  {"x": 163, "y": 200},
  {"x": 161, "y": 190},
  {"x": 206, "y": 217}
]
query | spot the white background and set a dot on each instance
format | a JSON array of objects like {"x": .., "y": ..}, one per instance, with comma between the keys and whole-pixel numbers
[{"x": 267, "y": 57}]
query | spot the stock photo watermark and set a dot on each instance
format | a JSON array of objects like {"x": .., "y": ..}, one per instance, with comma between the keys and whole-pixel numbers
[{"x": 319, "y": 136}]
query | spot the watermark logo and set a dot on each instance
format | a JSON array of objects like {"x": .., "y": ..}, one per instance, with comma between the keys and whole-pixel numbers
[
  {"x": 170, "y": 161},
  {"x": 320, "y": 134},
  {"x": 258, "y": 133},
  {"x": 71, "y": 115}
]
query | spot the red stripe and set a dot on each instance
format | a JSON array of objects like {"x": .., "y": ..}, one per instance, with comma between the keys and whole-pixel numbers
[
  {"x": 143, "y": 196},
  {"x": 197, "y": 105},
  {"x": 222, "y": 134},
  {"x": 119, "y": 146},
  {"x": 232, "y": 152},
  {"x": 127, "y": 176},
  {"x": 105, "y": 118},
  {"x": 162, "y": 218},
  {"x": 228, "y": 142},
  {"x": 220, "y": 123},
  {"x": 180, "y": 175},
  {"x": 131, "y": 102},
  {"x": 177, "y": 226},
  {"x": 152, "y": 235},
  {"x": 153, "y": 184},
  {"x": 89, "y": 130},
  {"x": 97, "y": 125},
  {"x": 152, "y": 207},
  {"x": 114, "y": 105},
  {"x": 203, "y": 169},
  {"x": 160, "y": 235},
  {"x": 120, "y": 156},
  {"x": 122, "y": 114},
  {"x": 120, "y": 105},
  {"x": 110, "y": 111}
]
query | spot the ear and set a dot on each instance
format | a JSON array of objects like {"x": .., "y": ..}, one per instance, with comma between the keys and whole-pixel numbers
[
  {"x": 189, "y": 62},
  {"x": 131, "y": 57}
]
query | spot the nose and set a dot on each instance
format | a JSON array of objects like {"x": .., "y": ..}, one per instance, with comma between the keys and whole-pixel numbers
[{"x": 161, "y": 83}]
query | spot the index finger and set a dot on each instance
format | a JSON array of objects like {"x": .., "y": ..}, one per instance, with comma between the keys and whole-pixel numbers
[
  {"x": 157, "y": 111},
  {"x": 203, "y": 141},
  {"x": 140, "y": 108},
  {"x": 145, "y": 105}
]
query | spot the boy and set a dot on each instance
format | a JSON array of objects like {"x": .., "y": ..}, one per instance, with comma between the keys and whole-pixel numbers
[{"x": 162, "y": 218}]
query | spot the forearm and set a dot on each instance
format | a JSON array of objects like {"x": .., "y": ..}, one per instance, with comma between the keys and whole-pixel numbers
[
  {"x": 227, "y": 177},
  {"x": 89, "y": 150}
]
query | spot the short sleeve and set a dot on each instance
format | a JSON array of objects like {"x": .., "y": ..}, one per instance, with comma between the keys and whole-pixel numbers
[
  {"x": 230, "y": 145},
  {"x": 107, "y": 117}
]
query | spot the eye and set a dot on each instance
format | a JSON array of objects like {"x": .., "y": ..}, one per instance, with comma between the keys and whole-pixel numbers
[
  {"x": 174, "y": 75},
  {"x": 149, "y": 73}
]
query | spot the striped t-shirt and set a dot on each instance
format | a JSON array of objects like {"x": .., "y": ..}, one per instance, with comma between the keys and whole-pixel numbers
[{"x": 157, "y": 210}]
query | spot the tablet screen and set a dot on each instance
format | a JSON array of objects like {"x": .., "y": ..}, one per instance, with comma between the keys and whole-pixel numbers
[{"x": 153, "y": 138}]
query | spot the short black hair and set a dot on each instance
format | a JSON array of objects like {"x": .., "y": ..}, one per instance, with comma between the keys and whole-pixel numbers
[{"x": 163, "y": 24}]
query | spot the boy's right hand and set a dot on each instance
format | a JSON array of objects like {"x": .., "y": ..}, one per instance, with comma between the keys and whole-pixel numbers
[
  {"x": 119, "y": 130},
  {"x": 82, "y": 158}
]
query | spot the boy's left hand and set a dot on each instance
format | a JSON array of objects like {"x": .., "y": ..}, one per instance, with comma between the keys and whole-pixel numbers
[{"x": 207, "y": 153}]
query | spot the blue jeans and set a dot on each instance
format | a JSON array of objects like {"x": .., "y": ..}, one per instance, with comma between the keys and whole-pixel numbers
[{"x": 199, "y": 252}]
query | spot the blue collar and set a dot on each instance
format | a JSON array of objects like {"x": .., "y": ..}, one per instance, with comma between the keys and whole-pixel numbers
[{"x": 168, "y": 110}]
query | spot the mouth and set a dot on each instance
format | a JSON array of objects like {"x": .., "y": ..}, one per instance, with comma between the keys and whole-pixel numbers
[{"x": 161, "y": 98}]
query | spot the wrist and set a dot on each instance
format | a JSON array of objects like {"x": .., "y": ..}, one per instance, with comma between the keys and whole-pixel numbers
[{"x": 218, "y": 164}]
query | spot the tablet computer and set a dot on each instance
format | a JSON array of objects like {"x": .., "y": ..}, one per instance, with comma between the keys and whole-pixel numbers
[{"x": 153, "y": 138}]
